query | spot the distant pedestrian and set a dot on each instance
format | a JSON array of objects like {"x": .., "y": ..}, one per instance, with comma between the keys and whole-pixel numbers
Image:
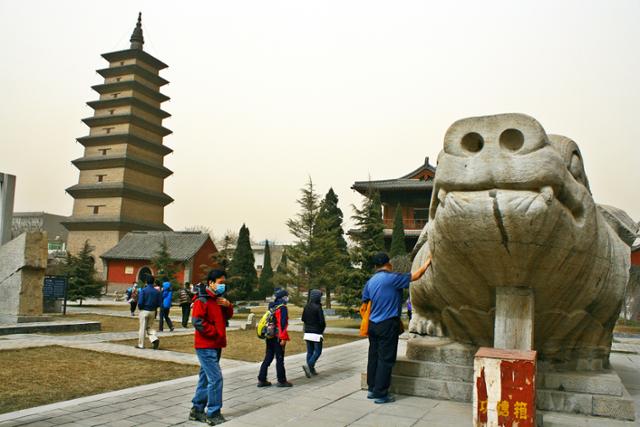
[
  {"x": 184, "y": 298},
  {"x": 165, "y": 308},
  {"x": 210, "y": 314},
  {"x": 158, "y": 287},
  {"x": 314, "y": 325},
  {"x": 409, "y": 308},
  {"x": 132, "y": 297},
  {"x": 148, "y": 301},
  {"x": 275, "y": 346},
  {"x": 384, "y": 290}
]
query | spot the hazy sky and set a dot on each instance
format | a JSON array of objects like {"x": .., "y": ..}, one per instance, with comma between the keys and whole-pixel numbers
[{"x": 267, "y": 93}]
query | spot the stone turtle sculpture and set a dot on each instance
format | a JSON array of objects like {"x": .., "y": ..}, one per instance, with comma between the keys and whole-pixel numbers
[{"x": 511, "y": 206}]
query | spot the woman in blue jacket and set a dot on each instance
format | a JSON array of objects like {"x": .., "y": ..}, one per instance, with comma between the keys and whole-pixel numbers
[{"x": 167, "y": 294}]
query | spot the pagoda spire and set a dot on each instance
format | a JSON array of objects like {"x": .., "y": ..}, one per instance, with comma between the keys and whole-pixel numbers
[{"x": 137, "y": 40}]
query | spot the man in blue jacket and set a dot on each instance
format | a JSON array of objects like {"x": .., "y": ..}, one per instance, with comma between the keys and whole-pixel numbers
[
  {"x": 384, "y": 290},
  {"x": 148, "y": 301}
]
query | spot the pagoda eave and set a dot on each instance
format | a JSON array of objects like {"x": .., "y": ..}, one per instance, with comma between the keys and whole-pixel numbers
[
  {"x": 118, "y": 189},
  {"x": 122, "y": 55},
  {"x": 133, "y": 69},
  {"x": 121, "y": 160},
  {"x": 132, "y": 85},
  {"x": 128, "y": 101},
  {"x": 126, "y": 118},
  {"x": 116, "y": 223},
  {"x": 123, "y": 138}
]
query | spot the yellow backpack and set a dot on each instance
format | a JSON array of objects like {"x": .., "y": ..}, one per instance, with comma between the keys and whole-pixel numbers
[{"x": 267, "y": 327}]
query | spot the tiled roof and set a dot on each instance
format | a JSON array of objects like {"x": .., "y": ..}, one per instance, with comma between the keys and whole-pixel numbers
[
  {"x": 393, "y": 184},
  {"x": 144, "y": 245}
]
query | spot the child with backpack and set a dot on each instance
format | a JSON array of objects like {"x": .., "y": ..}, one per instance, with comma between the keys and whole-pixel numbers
[
  {"x": 314, "y": 325},
  {"x": 276, "y": 337}
]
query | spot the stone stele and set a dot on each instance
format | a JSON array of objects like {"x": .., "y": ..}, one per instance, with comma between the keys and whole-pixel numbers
[
  {"x": 22, "y": 266},
  {"x": 511, "y": 207}
]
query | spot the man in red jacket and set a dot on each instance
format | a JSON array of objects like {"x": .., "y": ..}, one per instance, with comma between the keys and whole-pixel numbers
[{"x": 210, "y": 314}]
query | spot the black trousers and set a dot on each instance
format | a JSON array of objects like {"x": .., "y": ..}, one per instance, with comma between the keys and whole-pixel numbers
[
  {"x": 133, "y": 305},
  {"x": 186, "y": 310},
  {"x": 273, "y": 349},
  {"x": 164, "y": 315},
  {"x": 383, "y": 348}
]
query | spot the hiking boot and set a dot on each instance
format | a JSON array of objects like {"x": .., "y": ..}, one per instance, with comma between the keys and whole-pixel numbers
[
  {"x": 171, "y": 329},
  {"x": 372, "y": 395},
  {"x": 195, "y": 415},
  {"x": 156, "y": 344},
  {"x": 264, "y": 383},
  {"x": 138, "y": 347},
  {"x": 385, "y": 399},
  {"x": 284, "y": 384},
  {"x": 307, "y": 371},
  {"x": 215, "y": 419},
  {"x": 313, "y": 371}
]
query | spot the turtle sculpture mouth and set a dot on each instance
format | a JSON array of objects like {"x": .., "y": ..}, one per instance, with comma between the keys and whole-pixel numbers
[{"x": 523, "y": 202}]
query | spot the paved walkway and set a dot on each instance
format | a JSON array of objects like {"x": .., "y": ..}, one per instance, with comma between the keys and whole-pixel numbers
[{"x": 331, "y": 399}]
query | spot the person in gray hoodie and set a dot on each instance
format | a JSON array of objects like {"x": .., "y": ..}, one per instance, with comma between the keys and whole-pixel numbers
[{"x": 314, "y": 326}]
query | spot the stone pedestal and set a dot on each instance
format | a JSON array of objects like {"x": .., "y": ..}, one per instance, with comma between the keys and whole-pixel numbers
[
  {"x": 24, "y": 260},
  {"x": 513, "y": 328},
  {"x": 440, "y": 368}
]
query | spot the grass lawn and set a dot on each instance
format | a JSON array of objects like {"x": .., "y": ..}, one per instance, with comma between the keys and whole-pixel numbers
[
  {"x": 627, "y": 326},
  {"x": 108, "y": 323},
  {"x": 245, "y": 345},
  {"x": 112, "y": 307},
  {"x": 39, "y": 376}
]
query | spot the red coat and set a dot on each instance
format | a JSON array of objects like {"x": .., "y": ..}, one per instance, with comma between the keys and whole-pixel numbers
[{"x": 210, "y": 320}]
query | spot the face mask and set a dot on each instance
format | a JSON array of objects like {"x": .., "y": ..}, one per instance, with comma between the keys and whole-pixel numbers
[{"x": 220, "y": 288}]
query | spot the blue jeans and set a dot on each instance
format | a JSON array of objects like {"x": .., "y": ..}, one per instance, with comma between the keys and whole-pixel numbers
[
  {"x": 314, "y": 350},
  {"x": 209, "y": 388}
]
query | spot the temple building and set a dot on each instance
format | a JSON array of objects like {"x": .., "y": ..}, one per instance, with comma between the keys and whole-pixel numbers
[
  {"x": 412, "y": 192},
  {"x": 121, "y": 184}
]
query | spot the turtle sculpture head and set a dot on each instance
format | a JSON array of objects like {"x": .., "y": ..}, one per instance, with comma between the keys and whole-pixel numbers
[{"x": 511, "y": 206}]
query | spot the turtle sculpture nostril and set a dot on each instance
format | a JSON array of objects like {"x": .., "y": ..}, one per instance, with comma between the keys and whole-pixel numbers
[
  {"x": 511, "y": 139},
  {"x": 472, "y": 142}
]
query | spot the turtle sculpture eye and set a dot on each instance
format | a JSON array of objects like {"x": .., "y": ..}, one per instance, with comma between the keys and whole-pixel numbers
[{"x": 576, "y": 168}]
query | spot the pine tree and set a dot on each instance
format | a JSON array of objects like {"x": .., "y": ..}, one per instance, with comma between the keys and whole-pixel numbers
[
  {"x": 284, "y": 275},
  {"x": 398, "y": 247},
  {"x": 243, "y": 277},
  {"x": 301, "y": 252},
  {"x": 329, "y": 249},
  {"x": 164, "y": 265},
  {"x": 266, "y": 277},
  {"x": 82, "y": 275},
  {"x": 369, "y": 237},
  {"x": 369, "y": 240}
]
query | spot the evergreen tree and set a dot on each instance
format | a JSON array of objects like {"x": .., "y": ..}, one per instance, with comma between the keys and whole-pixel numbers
[
  {"x": 302, "y": 227},
  {"x": 369, "y": 240},
  {"x": 369, "y": 237},
  {"x": 266, "y": 277},
  {"x": 398, "y": 247},
  {"x": 329, "y": 249},
  {"x": 164, "y": 265},
  {"x": 82, "y": 275},
  {"x": 243, "y": 277},
  {"x": 284, "y": 275}
]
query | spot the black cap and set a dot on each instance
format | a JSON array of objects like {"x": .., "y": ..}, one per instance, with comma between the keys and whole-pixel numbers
[{"x": 380, "y": 259}]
